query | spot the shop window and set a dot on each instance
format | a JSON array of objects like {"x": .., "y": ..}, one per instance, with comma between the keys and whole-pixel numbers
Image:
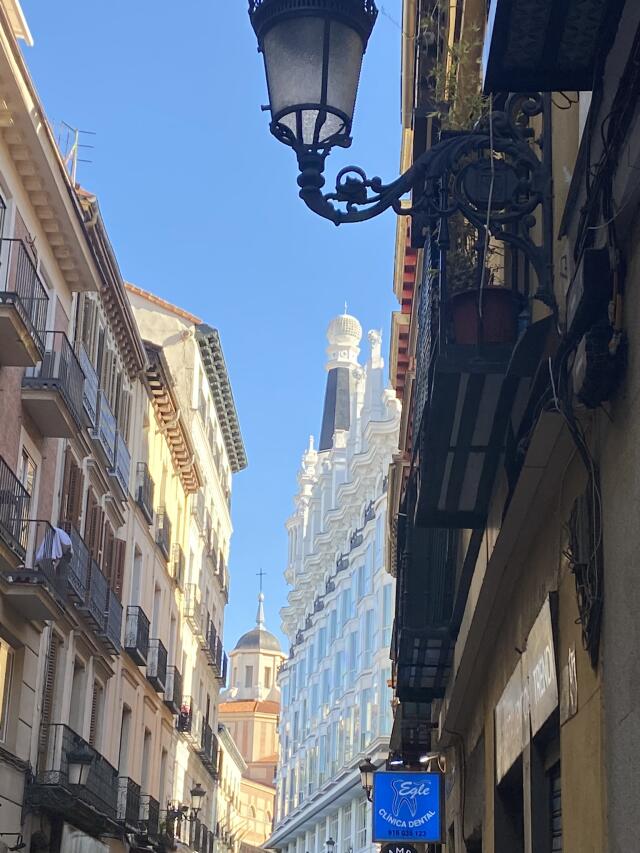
[
  {"x": 509, "y": 811},
  {"x": 555, "y": 811}
]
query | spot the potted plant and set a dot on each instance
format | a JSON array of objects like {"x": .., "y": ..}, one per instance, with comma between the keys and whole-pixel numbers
[{"x": 483, "y": 310}]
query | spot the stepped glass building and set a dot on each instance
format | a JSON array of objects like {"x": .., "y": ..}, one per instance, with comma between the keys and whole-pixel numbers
[{"x": 335, "y": 695}]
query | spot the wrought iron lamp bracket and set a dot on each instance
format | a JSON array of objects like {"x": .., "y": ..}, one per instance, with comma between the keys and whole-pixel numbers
[{"x": 492, "y": 175}]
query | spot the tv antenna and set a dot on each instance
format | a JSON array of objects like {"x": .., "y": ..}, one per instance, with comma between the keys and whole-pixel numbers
[{"x": 71, "y": 148}]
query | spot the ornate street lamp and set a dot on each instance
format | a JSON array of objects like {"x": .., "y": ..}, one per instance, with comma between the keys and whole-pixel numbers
[
  {"x": 79, "y": 761},
  {"x": 367, "y": 769},
  {"x": 179, "y": 812},
  {"x": 330, "y": 844},
  {"x": 313, "y": 52},
  {"x": 198, "y": 794}
]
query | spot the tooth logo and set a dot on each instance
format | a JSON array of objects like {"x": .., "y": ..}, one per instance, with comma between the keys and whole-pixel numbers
[{"x": 404, "y": 795}]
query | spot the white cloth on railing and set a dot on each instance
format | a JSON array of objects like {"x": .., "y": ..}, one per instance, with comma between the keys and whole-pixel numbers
[{"x": 54, "y": 547}]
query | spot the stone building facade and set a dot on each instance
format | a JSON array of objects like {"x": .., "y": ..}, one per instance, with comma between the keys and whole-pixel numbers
[{"x": 336, "y": 700}]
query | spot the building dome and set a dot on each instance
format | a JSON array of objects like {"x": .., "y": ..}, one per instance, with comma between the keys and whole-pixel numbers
[
  {"x": 344, "y": 330},
  {"x": 258, "y": 638}
]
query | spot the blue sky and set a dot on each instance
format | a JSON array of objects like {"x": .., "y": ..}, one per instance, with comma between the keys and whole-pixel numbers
[{"x": 202, "y": 209}]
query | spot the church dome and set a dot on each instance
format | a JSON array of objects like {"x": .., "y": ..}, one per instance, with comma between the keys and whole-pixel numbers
[
  {"x": 344, "y": 330},
  {"x": 258, "y": 638}
]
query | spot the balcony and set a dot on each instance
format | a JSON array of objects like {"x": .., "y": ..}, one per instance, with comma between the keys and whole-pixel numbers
[
  {"x": 542, "y": 45},
  {"x": 210, "y": 643},
  {"x": 128, "y": 803},
  {"x": 96, "y": 603},
  {"x": 222, "y": 677},
  {"x": 121, "y": 470},
  {"x": 104, "y": 433},
  {"x": 173, "y": 690},
  {"x": 178, "y": 565},
  {"x": 144, "y": 491},
  {"x": 157, "y": 665},
  {"x": 78, "y": 566},
  {"x": 149, "y": 816},
  {"x": 193, "y": 612},
  {"x": 163, "y": 532},
  {"x": 424, "y": 636},
  {"x": 112, "y": 632},
  {"x": 38, "y": 588},
  {"x": 222, "y": 576},
  {"x": 90, "y": 388},
  {"x": 184, "y": 723},
  {"x": 208, "y": 750},
  {"x": 136, "y": 635},
  {"x": 92, "y": 806},
  {"x": 52, "y": 390},
  {"x": 469, "y": 372},
  {"x": 23, "y": 307},
  {"x": 14, "y": 511}
]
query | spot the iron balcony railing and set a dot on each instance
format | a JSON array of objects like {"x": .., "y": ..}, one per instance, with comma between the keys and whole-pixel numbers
[
  {"x": 21, "y": 286},
  {"x": 46, "y": 559},
  {"x": 178, "y": 565},
  {"x": 136, "y": 635},
  {"x": 78, "y": 565},
  {"x": 149, "y": 816},
  {"x": 14, "y": 511},
  {"x": 193, "y": 611},
  {"x": 97, "y": 601},
  {"x": 91, "y": 386},
  {"x": 211, "y": 641},
  {"x": 184, "y": 723},
  {"x": 163, "y": 532},
  {"x": 100, "y": 788},
  {"x": 128, "y": 802},
  {"x": 208, "y": 747},
  {"x": 122, "y": 467},
  {"x": 157, "y": 665},
  {"x": 59, "y": 370},
  {"x": 105, "y": 430},
  {"x": 113, "y": 623},
  {"x": 173, "y": 690},
  {"x": 144, "y": 490}
]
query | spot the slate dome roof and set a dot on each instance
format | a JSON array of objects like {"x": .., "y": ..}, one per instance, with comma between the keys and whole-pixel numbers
[{"x": 258, "y": 638}]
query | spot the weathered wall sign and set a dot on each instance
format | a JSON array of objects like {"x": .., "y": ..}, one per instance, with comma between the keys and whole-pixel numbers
[
  {"x": 531, "y": 694},
  {"x": 408, "y": 806}
]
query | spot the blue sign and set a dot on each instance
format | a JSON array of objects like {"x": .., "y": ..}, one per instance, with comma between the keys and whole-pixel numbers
[{"x": 408, "y": 806}]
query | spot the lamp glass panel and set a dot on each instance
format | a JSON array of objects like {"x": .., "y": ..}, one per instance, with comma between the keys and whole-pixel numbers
[
  {"x": 345, "y": 61},
  {"x": 293, "y": 59}
]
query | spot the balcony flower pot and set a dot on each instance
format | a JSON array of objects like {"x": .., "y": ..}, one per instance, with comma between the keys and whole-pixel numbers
[{"x": 499, "y": 321}]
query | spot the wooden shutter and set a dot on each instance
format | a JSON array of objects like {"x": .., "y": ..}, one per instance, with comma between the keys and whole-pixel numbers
[
  {"x": 71, "y": 490},
  {"x": 93, "y": 528},
  {"x": 48, "y": 694},
  {"x": 93, "y": 726},
  {"x": 117, "y": 580},
  {"x": 107, "y": 552},
  {"x": 88, "y": 312}
]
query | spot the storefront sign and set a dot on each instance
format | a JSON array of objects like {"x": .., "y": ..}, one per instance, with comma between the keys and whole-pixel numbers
[
  {"x": 408, "y": 806},
  {"x": 540, "y": 665},
  {"x": 512, "y": 723},
  {"x": 531, "y": 694},
  {"x": 398, "y": 847}
]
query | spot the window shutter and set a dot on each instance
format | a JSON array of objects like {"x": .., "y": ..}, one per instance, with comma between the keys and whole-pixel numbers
[
  {"x": 119, "y": 563},
  {"x": 64, "y": 502},
  {"x": 75, "y": 494},
  {"x": 93, "y": 727},
  {"x": 107, "y": 553},
  {"x": 48, "y": 694},
  {"x": 87, "y": 324}
]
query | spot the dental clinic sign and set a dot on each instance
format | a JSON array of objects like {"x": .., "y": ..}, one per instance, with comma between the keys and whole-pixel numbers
[{"x": 408, "y": 806}]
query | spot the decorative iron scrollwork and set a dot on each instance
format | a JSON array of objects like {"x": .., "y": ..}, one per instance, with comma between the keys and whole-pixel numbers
[{"x": 497, "y": 176}]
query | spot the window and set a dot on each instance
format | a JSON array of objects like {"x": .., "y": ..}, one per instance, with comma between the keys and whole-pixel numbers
[
  {"x": 78, "y": 691},
  {"x": 248, "y": 676},
  {"x": 267, "y": 677},
  {"x": 352, "y": 649},
  {"x": 333, "y": 626},
  {"x": 367, "y": 721},
  {"x": 387, "y": 614},
  {"x": 326, "y": 691},
  {"x": 368, "y": 571},
  {"x": 322, "y": 644},
  {"x": 345, "y": 836},
  {"x": 361, "y": 825},
  {"x": 315, "y": 701},
  {"x": 6, "y": 671},
  {"x": 345, "y": 606},
  {"x": 322, "y": 760},
  {"x": 368, "y": 642},
  {"x": 384, "y": 702},
  {"x": 125, "y": 729},
  {"x": 28, "y": 473},
  {"x": 338, "y": 675},
  {"x": 97, "y": 713},
  {"x": 333, "y": 827}
]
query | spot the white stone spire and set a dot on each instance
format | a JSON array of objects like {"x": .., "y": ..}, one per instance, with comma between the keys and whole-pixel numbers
[{"x": 260, "y": 613}]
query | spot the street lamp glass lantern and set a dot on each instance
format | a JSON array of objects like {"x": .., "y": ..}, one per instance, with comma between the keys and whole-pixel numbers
[
  {"x": 198, "y": 794},
  {"x": 79, "y": 760},
  {"x": 312, "y": 53},
  {"x": 367, "y": 769}
]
